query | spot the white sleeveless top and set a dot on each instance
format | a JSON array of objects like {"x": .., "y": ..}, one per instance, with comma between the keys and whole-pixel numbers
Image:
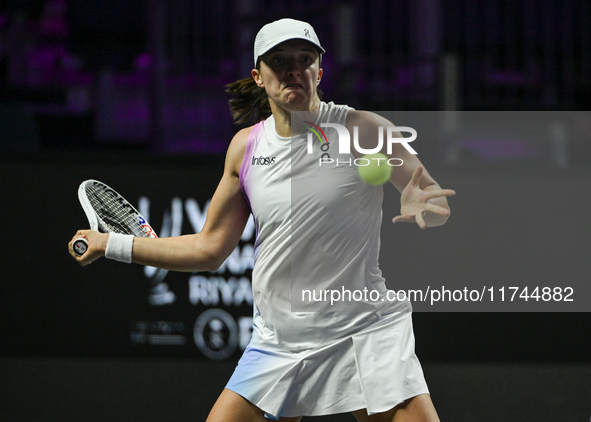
[{"x": 318, "y": 228}]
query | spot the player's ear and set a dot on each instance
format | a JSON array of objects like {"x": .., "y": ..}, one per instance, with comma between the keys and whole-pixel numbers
[
  {"x": 256, "y": 75},
  {"x": 320, "y": 72}
]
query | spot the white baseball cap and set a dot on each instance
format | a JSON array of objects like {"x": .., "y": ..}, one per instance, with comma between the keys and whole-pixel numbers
[{"x": 275, "y": 33}]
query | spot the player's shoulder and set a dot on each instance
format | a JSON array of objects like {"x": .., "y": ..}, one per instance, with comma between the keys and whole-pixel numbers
[
  {"x": 237, "y": 147},
  {"x": 240, "y": 139},
  {"x": 366, "y": 118}
]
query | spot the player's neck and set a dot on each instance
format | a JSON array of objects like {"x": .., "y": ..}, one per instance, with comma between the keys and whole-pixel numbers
[{"x": 283, "y": 117}]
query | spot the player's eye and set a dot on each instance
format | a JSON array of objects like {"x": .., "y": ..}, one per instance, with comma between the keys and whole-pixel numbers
[{"x": 307, "y": 59}]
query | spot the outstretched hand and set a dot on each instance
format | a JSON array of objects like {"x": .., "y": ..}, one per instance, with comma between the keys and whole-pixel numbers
[{"x": 415, "y": 205}]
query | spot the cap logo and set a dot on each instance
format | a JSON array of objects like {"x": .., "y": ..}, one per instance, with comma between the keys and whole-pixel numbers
[{"x": 307, "y": 33}]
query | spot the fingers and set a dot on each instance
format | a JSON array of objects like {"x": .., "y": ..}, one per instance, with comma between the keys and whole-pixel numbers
[
  {"x": 81, "y": 259},
  {"x": 418, "y": 219},
  {"x": 436, "y": 209},
  {"x": 421, "y": 221},
  {"x": 439, "y": 193},
  {"x": 404, "y": 219},
  {"x": 416, "y": 176},
  {"x": 78, "y": 235}
]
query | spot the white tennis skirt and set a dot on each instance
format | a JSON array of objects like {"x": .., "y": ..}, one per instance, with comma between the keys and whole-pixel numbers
[{"x": 375, "y": 369}]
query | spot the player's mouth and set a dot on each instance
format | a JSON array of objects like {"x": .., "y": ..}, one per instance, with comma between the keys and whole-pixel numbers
[{"x": 294, "y": 86}]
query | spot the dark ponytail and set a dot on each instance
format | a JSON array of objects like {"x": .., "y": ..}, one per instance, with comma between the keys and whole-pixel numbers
[{"x": 250, "y": 101}]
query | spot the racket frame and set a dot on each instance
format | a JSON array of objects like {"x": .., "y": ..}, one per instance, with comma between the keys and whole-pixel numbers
[{"x": 96, "y": 222}]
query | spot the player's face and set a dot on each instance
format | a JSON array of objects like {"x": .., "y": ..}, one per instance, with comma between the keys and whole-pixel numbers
[{"x": 290, "y": 73}]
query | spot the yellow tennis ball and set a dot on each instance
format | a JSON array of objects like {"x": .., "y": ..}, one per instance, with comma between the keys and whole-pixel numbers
[{"x": 374, "y": 169}]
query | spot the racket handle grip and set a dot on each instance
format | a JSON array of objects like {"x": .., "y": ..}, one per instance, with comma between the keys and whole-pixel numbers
[{"x": 80, "y": 246}]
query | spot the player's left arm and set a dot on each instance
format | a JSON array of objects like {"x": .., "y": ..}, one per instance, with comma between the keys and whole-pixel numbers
[{"x": 422, "y": 201}]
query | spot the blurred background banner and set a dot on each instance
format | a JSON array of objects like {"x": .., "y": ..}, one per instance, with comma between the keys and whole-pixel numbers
[
  {"x": 132, "y": 93},
  {"x": 150, "y": 74}
]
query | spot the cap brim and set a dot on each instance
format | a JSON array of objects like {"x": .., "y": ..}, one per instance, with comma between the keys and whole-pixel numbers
[{"x": 276, "y": 43}]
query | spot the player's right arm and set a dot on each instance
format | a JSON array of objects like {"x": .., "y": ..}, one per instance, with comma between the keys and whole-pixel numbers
[{"x": 204, "y": 251}]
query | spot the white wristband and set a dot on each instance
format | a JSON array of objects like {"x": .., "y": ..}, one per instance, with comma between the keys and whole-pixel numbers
[{"x": 119, "y": 247}]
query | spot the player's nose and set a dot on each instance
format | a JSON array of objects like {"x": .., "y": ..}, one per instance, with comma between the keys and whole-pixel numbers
[{"x": 293, "y": 68}]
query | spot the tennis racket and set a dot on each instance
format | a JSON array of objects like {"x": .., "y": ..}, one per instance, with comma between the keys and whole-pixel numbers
[{"x": 109, "y": 212}]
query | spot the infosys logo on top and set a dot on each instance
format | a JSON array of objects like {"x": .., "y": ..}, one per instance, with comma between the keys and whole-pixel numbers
[{"x": 263, "y": 161}]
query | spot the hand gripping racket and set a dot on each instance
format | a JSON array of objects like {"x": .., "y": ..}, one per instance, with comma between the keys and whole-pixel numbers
[{"x": 109, "y": 212}]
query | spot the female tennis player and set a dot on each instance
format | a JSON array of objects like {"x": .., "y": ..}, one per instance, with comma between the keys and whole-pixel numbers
[{"x": 317, "y": 223}]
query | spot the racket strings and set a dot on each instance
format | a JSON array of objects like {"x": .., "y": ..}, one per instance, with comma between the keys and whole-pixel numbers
[{"x": 114, "y": 211}]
